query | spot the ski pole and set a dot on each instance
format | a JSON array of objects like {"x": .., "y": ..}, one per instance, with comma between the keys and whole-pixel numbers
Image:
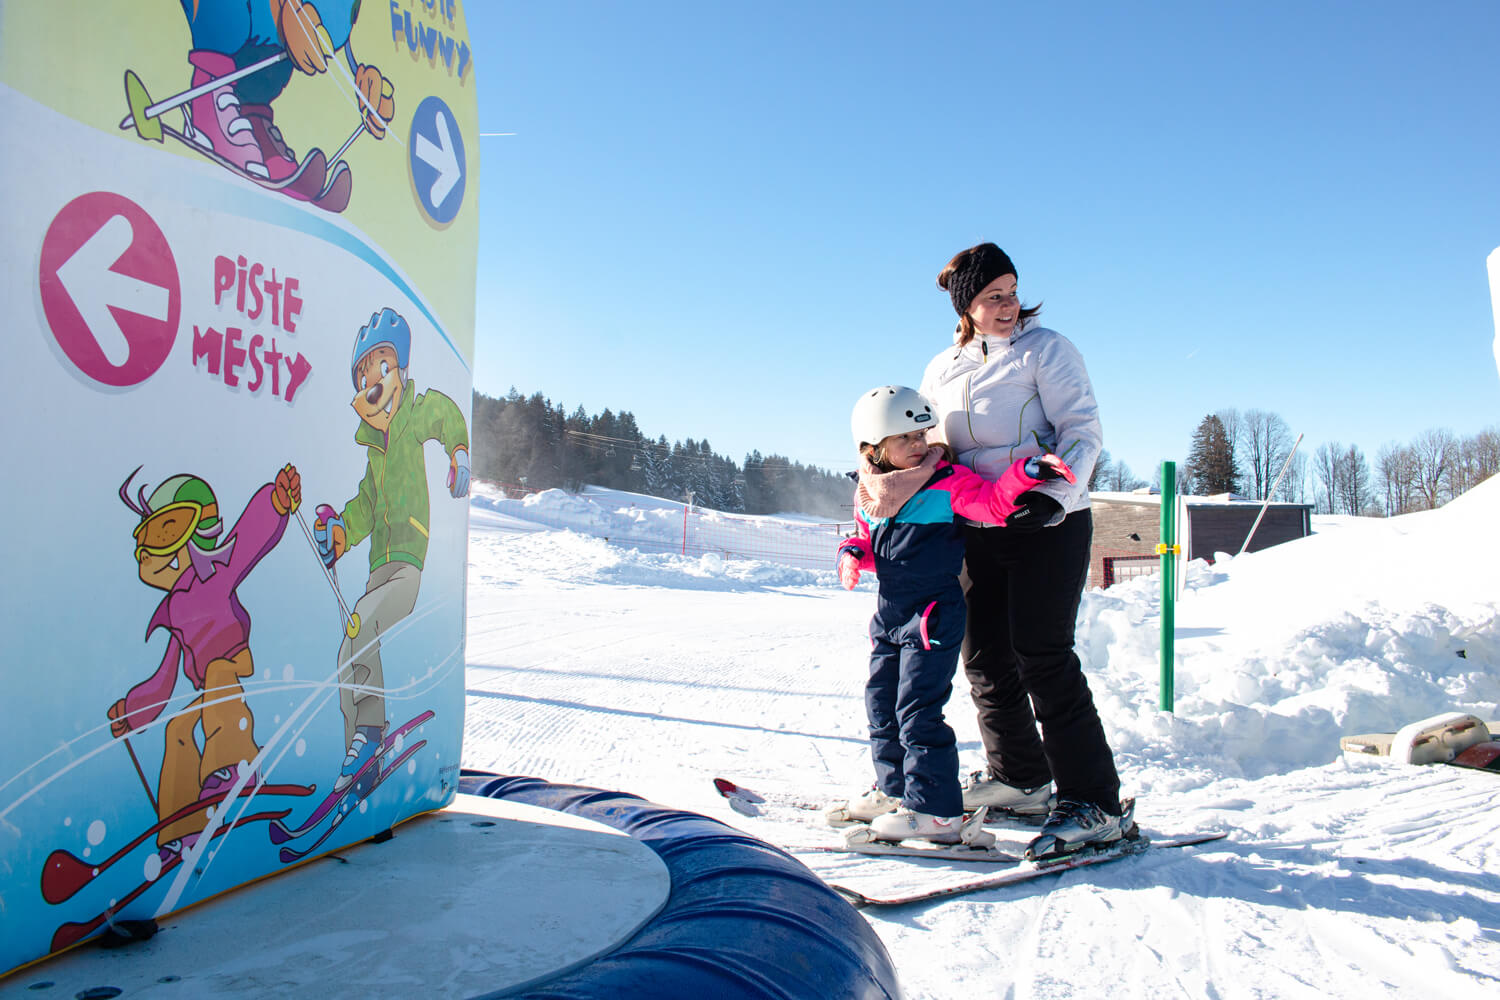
[
  {"x": 351, "y": 619},
  {"x": 144, "y": 783},
  {"x": 139, "y": 114},
  {"x": 347, "y": 143},
  {"x": 1269, "y": 493}
]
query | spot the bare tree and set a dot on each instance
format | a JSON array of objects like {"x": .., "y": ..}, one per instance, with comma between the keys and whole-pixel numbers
[
  {"x": 1122, "y": 480},
  {"x": 1326, "y": 472},
  {"x": 1434, "y": 450},
  {"x": 1234, "y": 433},
  {"x": 1484, "y": 450},
  {"x": 1100, "y": 476},
  {"x": 1353, "y": 477},
  {"x": 1263, "y": 445},
  {"x": 1294, "y": 485},
  {"x": 1395, "y": 469},
  {"x": 1477, "y": 459}
]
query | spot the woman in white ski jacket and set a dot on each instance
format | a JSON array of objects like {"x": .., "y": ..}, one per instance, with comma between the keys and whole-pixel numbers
[{"x": 1007, "y": 389}]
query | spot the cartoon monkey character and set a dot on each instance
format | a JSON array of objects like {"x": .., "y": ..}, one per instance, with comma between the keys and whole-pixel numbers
[{"x": 181, "y": 547}]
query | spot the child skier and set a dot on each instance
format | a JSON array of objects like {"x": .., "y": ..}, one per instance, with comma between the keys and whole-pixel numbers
[{"x": 910, "y": 505}]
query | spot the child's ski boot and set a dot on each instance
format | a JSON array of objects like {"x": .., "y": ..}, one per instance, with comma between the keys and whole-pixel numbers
[{"x": 861, "y": 810}]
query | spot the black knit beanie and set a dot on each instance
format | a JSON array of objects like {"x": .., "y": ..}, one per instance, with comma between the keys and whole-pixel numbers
[{"x": 980, "y": 266}]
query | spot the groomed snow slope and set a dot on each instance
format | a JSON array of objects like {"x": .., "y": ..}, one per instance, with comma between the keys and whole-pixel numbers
[{"x": 1343, "y": 877}]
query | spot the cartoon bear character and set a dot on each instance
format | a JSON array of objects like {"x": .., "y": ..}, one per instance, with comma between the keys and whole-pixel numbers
[{"x": 391, "y": 512}]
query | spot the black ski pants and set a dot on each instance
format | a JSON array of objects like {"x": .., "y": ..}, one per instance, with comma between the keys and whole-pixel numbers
[{"x": 1022, "y": 593}]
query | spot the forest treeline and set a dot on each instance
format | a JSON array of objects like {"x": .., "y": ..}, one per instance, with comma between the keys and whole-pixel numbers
[{"x": 530, "y": 442}]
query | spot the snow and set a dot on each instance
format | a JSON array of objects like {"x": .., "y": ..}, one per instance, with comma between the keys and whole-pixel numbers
[{"x": 1343, "y": 876}]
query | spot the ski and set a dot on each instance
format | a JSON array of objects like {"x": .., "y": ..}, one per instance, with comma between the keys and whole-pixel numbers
[
  {"x": 1025, "y": 871},
  {"x": 290, "y": 854},
  {"x": 71, "y": 933},
  {"x": 305, "y": 183},
  {"x": 337, "y": 189},
  {"x": 747, "y": 802},
  {"x": 914, "y": 849},
  {"x": 64, "y": 873},
  {"x": 281, "y": 833}
]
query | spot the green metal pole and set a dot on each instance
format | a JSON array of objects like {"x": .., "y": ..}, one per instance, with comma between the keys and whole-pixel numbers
[{"x": 1168, "y": 551}]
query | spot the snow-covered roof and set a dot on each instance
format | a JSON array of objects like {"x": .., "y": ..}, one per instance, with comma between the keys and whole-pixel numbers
[{"x": 1153, "y": 498}]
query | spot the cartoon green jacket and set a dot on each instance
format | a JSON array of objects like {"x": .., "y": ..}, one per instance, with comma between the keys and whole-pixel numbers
[{"x": 391, "y": 507}]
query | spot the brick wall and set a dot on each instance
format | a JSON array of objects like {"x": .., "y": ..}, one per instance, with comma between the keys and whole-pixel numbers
[{"x": 1122, "y": 527}]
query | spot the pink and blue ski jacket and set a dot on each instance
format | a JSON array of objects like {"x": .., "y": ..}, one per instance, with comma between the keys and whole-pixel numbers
[{"x": 918, "y": 547}]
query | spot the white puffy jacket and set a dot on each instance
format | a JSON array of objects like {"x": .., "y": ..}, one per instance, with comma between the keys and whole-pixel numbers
[{"x": 1000, "y": 399}]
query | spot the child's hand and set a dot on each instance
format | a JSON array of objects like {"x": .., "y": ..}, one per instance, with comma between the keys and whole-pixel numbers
[
  {"x": 1045, "y": 467},
  {"x": 848, "y": 570}
]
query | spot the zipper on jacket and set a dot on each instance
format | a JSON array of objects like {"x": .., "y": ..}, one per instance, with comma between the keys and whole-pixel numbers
[{"x": 984, "y": 359}]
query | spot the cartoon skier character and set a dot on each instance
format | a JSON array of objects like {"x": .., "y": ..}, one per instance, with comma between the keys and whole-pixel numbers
[
  {"x": 181, "y": 547},
  {"x": 391, "y": 510},
  {"x": 234, "y": 121}
]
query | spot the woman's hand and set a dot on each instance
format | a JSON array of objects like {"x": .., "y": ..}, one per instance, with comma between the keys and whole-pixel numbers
[{"x": 1035, "y": 511}]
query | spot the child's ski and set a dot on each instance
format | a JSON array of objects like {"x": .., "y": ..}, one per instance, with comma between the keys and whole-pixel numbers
[{"x": 747, "y": 803}]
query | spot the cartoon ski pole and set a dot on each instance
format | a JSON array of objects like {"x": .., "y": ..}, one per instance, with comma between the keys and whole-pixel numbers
[
  {"x": 137, "y": 762},
  {"x": 351, "y": 618},
  {"x": 143, "y": 114},
  {"x": 361, "y": 130}
]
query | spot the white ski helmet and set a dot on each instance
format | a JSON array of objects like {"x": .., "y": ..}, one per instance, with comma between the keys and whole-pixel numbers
[{"x": 890, "y": 409}]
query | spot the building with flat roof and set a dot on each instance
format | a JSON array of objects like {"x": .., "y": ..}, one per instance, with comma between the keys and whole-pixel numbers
[{"x": 1127, "y": 527}]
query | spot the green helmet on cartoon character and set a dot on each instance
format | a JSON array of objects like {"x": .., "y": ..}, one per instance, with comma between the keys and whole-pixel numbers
[
  {"x": 386, "y": 328},
  {"x": 182, "y": 509}
]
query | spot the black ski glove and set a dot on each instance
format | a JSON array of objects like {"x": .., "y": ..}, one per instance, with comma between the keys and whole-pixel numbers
[{"x": 1035, "y": 511}]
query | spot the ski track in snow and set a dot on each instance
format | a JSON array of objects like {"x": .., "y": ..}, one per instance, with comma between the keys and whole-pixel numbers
[{"x": 1342, "y": 877}]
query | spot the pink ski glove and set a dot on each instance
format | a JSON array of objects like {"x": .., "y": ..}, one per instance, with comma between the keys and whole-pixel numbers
[{"x": 848, "y": 570}]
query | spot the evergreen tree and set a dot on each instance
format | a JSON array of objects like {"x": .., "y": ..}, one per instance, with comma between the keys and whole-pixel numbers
[
  {"x": 519, "y": 437},
  {"x": 1211, "y": 458},
  {"x": 753, "y": 492},
  {"x": 659, "y": 467}
]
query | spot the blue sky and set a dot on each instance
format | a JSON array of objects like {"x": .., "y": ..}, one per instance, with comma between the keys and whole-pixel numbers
[{"x": 728, "y": 218}]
